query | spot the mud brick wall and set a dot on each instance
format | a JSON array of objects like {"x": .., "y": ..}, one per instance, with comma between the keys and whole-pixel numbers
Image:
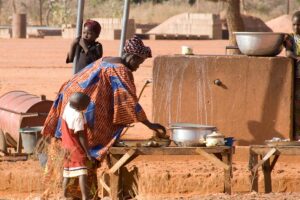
[
  {"x": 110, "y": 29},
  {"x": 198, "y": 24},
  {"x": 252, "y": 104}
]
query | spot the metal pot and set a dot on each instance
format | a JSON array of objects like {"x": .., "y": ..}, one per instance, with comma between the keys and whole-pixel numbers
[
  {"x": 188, "y": 135},
  {"x": 215, "y": 139}
]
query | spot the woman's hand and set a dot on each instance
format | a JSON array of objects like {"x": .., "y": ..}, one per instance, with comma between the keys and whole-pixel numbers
[
  {"x": 158, "y": 128},
  {"x": 89, "y": 157}
]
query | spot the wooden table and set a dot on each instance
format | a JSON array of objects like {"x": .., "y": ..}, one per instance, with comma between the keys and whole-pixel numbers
[
  {"x": 120, "y": 156},
  {"x": 268, "y": 157}
]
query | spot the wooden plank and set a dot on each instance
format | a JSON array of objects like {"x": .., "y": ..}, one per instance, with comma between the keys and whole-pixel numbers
[
  {"x": 267, "y": 176},
  {"x": 213, "y": 159},
  {"x": 115, "y": 185},
  {"x": 227, "y": 173},
  {"x": 120, "y": 162},
  {"x": 285, "y": 150},
  {"x": 14, "y": 158},
  {"x": 265, "y": 158},
  {"x": 169, "y": 150},
  {"x": 253, "y": 160},
  {"x": 102, "y": 181}
]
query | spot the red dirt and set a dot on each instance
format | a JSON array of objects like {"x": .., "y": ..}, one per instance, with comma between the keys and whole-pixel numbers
[
  {"x": 282, "y": 23},
  {"x": 38, "y": 66}
]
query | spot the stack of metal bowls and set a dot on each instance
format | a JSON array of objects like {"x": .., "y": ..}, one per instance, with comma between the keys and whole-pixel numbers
[{"x": 189, "y": 135}]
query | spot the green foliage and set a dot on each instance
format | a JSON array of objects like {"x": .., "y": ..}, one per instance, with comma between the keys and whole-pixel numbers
[{"x": 58, "y": 13}]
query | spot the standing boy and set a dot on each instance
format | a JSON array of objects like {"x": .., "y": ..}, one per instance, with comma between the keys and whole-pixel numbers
[
  {"x": 89, "y": 49},
  {"x": 292, "y": 45}
]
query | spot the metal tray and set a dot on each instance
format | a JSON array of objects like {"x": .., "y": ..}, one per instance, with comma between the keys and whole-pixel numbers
[{"x": 282, "y": 143}]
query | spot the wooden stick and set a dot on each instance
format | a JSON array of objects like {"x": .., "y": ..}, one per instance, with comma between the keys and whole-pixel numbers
[
  {"x": 263, "y": 160},
  {"x": 14, "y": 158},
  {"x": 104, "y": 185},
  {"x": 213, "y": 159},
  {"x": 121, "y": 162},
  {"x": 3, "y": 153},
  {"x": 10, "y": 140}
]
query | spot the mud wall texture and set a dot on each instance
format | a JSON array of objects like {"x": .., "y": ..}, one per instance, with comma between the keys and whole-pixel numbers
[{"x": 253, "y": 101}]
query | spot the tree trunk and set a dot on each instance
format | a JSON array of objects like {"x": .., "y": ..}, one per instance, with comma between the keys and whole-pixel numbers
[
  {"x": 1, "y": 11},
  {"x": 14, "y": 6},
  {"x": 41, "y": 12},
  {"x": 234, "y": 21},
  {"x": 243, "y": 6}
]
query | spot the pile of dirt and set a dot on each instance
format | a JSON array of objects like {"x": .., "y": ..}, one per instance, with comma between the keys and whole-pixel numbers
[
  {"x": 251, "y": 23},
  {"x": 165, "y": 178},
  {"x": 282, "y": 23}
]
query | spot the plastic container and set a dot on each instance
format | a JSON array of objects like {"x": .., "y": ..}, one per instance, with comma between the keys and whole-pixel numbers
[
  {"x": 186, "y": 50},
  {"x": 229, "y": 141}
]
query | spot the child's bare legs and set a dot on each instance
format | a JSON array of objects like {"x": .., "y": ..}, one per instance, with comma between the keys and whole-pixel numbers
[
  {"x": 65, "y": 185},
  {"x": 84, "y": 187}
]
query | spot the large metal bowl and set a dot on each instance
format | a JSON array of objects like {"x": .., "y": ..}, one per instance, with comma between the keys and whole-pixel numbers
[
  {"x": 259, "y": 43},
  {"x": 189, "y": 135}
]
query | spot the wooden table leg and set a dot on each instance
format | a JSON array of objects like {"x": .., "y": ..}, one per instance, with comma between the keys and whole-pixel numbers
[
  {"x": 267, "y": 176},
  {"x": 115, "y": 179},
  {"x": 273, "y": 163},
  {"x": 226, "y": 158},
  {"x": 253, "y": 160},
  {"x": 19, "y": 144}
]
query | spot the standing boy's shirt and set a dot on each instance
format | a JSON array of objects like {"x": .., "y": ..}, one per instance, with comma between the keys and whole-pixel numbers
[
  {"x": 95, "y": 52},
  {"x": 296, "y": 44},
  {"x": 73, "y": 121},
  {"x": 292, "y": 43}
]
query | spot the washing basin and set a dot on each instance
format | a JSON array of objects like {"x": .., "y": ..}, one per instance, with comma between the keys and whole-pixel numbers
[{"x": 259, "y": 43}]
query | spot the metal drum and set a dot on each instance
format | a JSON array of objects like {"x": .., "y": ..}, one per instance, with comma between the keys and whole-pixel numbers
[{"x": 19, "y": 109}]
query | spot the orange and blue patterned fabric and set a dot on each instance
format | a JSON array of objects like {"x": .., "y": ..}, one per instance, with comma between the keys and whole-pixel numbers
[{"x": 113, "y": 105}]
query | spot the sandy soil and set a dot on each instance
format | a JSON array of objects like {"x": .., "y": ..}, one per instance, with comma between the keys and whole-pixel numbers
[{"x": 37, "y": 66}]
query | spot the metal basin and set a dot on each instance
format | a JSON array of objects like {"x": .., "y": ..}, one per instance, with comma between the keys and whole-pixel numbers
[
  {"x": 259, "y": 43},
  {"x": 189, "y": 135}
]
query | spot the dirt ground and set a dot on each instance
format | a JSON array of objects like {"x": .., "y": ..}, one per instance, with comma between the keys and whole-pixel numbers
[{"x": 38, "y": 67}]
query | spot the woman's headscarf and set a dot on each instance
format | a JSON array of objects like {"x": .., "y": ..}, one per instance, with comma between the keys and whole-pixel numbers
[{"x": 136, "y": 46}]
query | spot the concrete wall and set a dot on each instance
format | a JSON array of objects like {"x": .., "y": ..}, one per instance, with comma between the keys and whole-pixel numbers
[
  {"x": 254, "y": 102},
  {"x": 5, "y": 33},
  {"x": 198, "y": 24},
  {"x": 32, "y": 31},
  {"x": 111, "y": 29}
]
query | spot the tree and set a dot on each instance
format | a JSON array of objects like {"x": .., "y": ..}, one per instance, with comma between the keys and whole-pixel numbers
[
  {"x": 234, "y": 20},
  {"x": 19, "y": 6},
  {"x": 41, "y": 3}
]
